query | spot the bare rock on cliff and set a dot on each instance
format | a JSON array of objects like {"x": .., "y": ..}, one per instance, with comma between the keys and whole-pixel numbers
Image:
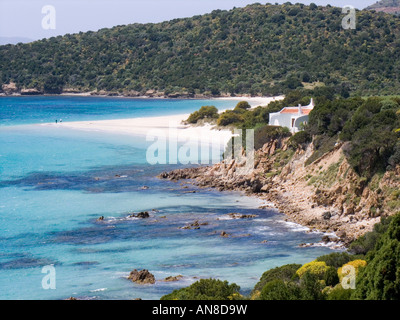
[{"x": 10, "y": 88}]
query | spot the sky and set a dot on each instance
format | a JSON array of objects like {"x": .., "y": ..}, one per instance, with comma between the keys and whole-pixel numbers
[{"x": 25, "y": 20}]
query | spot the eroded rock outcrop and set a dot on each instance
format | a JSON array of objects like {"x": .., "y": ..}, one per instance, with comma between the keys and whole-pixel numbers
[
  {"x": 325, "y": 194},
  {"x": 142, "y": 277}
]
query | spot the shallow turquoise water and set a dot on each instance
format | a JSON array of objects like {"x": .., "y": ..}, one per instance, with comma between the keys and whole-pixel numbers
[{"x": 55, "y": 183}]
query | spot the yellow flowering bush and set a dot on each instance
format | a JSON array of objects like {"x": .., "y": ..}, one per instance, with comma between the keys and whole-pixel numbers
[
  {"x": 315, "y": 267},
  {"x": 357, "y": 264}
]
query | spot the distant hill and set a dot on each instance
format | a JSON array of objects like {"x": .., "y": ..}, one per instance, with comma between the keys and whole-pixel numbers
[
  {"x": 257, "y": 50},
  {"x": 387, "y": 6}
]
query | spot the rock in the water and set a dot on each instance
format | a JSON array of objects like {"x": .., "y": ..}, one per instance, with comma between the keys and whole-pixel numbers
[
  {"x": 143, "y": 215},
  {"x": 224, "y": 234},
  {"x": 140, "y": 215},
  {"x": 173, "y": 278},
  {"x": 241, "y": 216},
  {"x": 326, "y": 239},
  {"x": 195, "y": 225},
  {"x": 142, "y": 277}
]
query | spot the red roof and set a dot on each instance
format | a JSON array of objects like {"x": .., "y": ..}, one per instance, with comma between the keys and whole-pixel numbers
[{"x": 295, "y": 110}]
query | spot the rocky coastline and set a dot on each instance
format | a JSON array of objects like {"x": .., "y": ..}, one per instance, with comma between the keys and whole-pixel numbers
[
  {"x": 12, "y": 89},
  {"x": 326, "y": 195}
]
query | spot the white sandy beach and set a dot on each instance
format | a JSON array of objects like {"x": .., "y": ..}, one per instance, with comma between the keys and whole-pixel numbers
[
  {"x": 153, "y": 126},
  {"x": 165, "y": 125}
]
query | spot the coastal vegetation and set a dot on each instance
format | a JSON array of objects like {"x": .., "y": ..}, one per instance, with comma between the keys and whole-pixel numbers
[
  {"x": 365, "y": 133},
  {"x": 368, "y": 126},
  {"x": 376, "y": 270},
  {"x": 258, "y": 50}
]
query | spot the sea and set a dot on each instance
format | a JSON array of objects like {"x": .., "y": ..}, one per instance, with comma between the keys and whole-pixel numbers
[{"x": 56, "y": 182}]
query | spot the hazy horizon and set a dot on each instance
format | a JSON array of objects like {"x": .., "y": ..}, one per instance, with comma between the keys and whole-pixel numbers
[{"x": 21, "y": 20}]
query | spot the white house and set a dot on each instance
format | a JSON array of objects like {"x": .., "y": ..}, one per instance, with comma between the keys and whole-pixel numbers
[{"x": 291, "y": 117}]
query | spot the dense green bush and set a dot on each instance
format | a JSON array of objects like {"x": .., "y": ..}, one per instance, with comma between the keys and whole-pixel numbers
[
  {"x": 280, "y": 290},
  {"x": 205, "y": 112},
  {"x": 284, "y": 273},
  {"x": 367, "y": 242},
  {"x": 338, "y": 293},
  {"x": 53, "y": 85},
  {"x": 309, "y": 287},
  {"x": 336, "y": 259},
  {"x": 300, "y": 140},
  {"x": 265, "y": 134},
  {"x": 331, "y": 277},
  {"x": 244, "y": 105},
  {"x": 206, "y": 289},
  {"x": 380, "y": 279},
  {"x": 230, "y": 117}
]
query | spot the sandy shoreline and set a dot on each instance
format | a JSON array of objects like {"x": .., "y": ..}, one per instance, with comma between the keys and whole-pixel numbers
[
  {"x": 165, "y": 125},
  {"x": 153, "y": 127}
]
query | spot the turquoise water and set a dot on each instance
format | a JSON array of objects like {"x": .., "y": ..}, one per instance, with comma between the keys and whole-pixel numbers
[{"x": 56, "y": 182}]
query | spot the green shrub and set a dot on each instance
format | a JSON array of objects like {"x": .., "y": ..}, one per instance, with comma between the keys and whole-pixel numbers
[
  {"x": 331, "y": 277},
  {"x": 280, "y": 290},
  {"x": 265, "y": 134},
  {"x": 300, "y": 140},
  {"x": 311, "y": 287},
  {"x": 244, "y": 105},
  {"x": 229, "y": 117},
  {"x": 206, "y": 289},
  {"x": 368, "y": 241},
  {"x": 284, "y": 273},
  {"x": 338, "y": 293},
  {"x": 208, "y": 112},
  {"x": 336, "y": 259},
  {"x": 205, "y": 112},
  {"x": 380, "y": 279},
  {"x": 193, "y": 117}
]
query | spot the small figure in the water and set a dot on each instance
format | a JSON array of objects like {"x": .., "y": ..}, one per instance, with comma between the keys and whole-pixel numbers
[
  {"x": 60, "y": 120},
  {"x": 56, "y": 120}
]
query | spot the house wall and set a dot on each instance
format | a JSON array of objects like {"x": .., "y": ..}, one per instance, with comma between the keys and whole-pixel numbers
[
  {"x": 285, "y": 120},
  {"x": 280, "y": 119},
  {"x": 299, "y": 121}
]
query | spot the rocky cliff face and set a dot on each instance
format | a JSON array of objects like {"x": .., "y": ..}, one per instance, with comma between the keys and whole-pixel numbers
[{"x": 326, "y": 194}]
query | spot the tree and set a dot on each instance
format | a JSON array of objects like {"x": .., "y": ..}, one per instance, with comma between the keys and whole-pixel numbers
[
  {"x": 243, "y": 105},
  {"x": 206, "y": 289},
  {"x": 205, "y": 112},
  {"x": 280, "y": 290},
  {"x": 53, "y": 85},
  {"x": 229, "y": 117},
  {"x": 284, "y": 273},
  {"x": 380, "y": 279}
]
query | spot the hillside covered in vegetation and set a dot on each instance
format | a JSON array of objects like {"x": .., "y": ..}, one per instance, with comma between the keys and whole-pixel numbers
[
  {"x": 259, "y": 50},
  {"x": 387, "y": 6},
  {"x": 340, "y": 174}
]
